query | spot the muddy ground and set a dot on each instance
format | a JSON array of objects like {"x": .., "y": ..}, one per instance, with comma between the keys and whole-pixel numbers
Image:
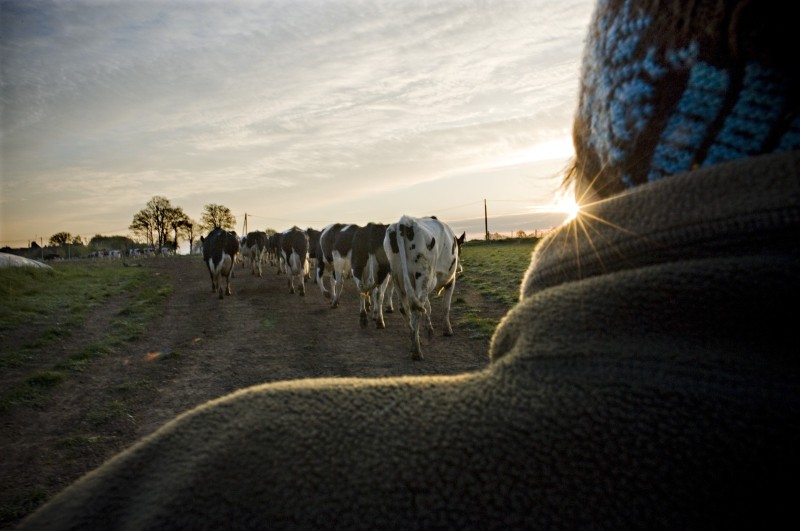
[{"x": 201, "y": 349}]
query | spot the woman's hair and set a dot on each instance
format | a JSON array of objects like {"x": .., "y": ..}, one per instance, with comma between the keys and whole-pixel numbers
[{"x": 668, "y": 86}]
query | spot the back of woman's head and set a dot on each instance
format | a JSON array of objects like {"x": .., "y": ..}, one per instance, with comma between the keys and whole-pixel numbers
[{"x": 671, "y": 86}]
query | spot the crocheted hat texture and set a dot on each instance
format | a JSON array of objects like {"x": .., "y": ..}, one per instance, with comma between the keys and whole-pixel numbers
[{"x": 671, "y": 86}]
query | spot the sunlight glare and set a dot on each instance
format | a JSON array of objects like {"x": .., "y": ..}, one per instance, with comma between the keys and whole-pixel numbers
[
  {"x": 561, "y": 148},
  {"x": 564, "y": 203},
  {"x": 568, "y": 205}
]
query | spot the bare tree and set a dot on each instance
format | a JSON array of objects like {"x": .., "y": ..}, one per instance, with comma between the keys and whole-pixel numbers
[
  {"x": 142, "y": 226},
  {"x": 217, "y": 216},
  {"x": 184, "y": 227},
  {"x": 155, "y": 221},
  {"x": 60, "y": 238}
]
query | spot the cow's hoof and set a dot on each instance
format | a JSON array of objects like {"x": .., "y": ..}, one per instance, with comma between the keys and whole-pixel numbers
[
  {"x": 416, "y": 356},
  {"x": 448, "y": 333},
  {"x": 380, "y": 325},
  {"x": 388, "y": 309}
]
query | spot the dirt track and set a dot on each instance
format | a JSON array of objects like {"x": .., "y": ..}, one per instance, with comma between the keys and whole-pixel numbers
[{"x": 204, "y": 348}]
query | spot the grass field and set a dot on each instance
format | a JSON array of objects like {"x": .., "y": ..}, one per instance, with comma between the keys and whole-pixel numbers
[
  {"x": 54, "y": 302},
  {"x": 496, "y": 267}
]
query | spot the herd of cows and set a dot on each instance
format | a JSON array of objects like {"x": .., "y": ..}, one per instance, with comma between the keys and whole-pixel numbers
[{"x": 414, "y": 256}]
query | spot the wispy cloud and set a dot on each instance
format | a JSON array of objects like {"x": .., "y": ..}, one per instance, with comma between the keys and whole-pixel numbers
[{"x": 251, "y": 100}]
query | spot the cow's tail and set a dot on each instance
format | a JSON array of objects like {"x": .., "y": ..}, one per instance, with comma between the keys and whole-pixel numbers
[
  {"x": 364, "y": 286},
  {"x": 411, "y": 292},
  {"x": 294, "y": 263}
]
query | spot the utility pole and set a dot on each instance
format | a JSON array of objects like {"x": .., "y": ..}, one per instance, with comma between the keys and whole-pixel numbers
[
  {"x": 485, "y": 220},
  {"x": 244, "y": 226}
]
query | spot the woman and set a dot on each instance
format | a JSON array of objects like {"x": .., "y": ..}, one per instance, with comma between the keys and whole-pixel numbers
[{"x": 646, "y": 379}]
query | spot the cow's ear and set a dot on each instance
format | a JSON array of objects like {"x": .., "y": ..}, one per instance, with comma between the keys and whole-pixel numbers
[{"x": 462, "y": 237}]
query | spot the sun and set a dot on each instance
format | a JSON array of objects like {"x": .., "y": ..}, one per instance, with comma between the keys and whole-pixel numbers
[
  {"x": 567, "y": 204},
  {"x": 564, "y": 202}
]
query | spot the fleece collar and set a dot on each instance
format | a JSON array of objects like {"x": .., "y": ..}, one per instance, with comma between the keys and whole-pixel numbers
[{"x": 732, "y": 209}]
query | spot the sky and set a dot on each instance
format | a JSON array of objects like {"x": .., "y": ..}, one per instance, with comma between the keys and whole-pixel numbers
[{"x": 288, "y": 112}]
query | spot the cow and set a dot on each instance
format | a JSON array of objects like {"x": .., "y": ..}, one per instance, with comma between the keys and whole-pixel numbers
[
  {"x": 254, "y": 247},
  {"x": 335, "y": 248},
  {"x": 240, "y": 258},
  {"x": 274, "y": 253},
  {"x": 371, "y": 271},
  {"x": 424, "y": 255},
  {"x": 313, "y": 243},
  {"x": 220, "y": 249},
  {"x": 294, "y": 251}
]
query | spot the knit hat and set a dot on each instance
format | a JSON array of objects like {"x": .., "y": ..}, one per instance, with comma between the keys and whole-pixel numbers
[{"x": 668, "y": 86}]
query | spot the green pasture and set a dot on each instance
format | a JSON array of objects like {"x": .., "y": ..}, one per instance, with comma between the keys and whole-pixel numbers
[
  {"x": 496, "y": 269},
  {"x": 49, "y": 305}
]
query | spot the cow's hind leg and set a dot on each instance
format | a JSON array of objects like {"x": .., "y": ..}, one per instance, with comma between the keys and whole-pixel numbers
[
  {"x": 428, "y": 324},
  {"x": 448, "y": 297},
  {"x": 220, "y": 291},
  {"x": 416, "y": 348},
  {"x": 362, "y": 314},
  {"x": 337, "y": 283},
  {"x": 377, "y": 307}
]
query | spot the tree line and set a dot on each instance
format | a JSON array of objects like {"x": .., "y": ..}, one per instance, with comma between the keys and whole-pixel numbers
[{"x": 158, "y": 225}]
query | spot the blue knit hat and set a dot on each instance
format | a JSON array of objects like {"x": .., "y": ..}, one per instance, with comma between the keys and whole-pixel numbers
[{"x": 671, "y": 86}]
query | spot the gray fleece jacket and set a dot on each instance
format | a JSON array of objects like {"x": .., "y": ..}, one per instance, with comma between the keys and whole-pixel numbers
[{"x": 648, "y": 378}]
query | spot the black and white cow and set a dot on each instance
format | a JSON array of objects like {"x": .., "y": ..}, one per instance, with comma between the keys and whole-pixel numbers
[
  {"x": 220, "y": 249},
  {"x": 240, "y": 258},
  {"x": 335, "y": 249},
  {"x": 424, "y": 256},
  {"x": 313, "y": 243},
  {"x": 274, "y": 246},
  {"x": 371, "y": 271},
  {"x": 294, "y": 251},
  {"x": 254, "y": 248}
]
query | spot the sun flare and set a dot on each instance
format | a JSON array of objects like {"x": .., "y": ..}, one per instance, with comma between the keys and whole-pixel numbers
[
  {"x": 570, "y": 207},
  {"x": 564, "y": 203}
]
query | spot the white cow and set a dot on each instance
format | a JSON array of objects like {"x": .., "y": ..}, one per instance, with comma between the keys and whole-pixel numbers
[
  {"x": 294, "y": 251},
  {"x": 220, "y": 249},
  {"x": 335, "y": 251},
  {"x": 371, "y": 272},
  {"x": 424, "y": 257},
  {"x": 254, "y": 247}
]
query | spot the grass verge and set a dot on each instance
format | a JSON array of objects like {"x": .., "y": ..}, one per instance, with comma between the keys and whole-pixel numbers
[{"x": 55, "y": 304}]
